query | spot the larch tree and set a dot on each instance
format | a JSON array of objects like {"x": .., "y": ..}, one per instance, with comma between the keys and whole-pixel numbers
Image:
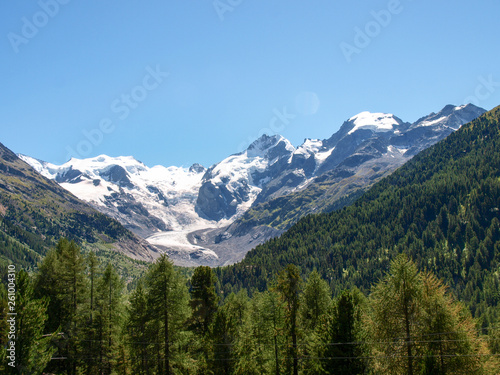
[
  {"x": 314, "y": 302},
  {"x": 61, "y": 277},
  {"x": 289, "y": 284},
  {"x": 260, "y": 343},
  {"x": 33, "y": 350},
  {"x": 397, "y": 316},
  {"x": 417, "y": 328},
  {"x": 341, "y": 335},
  {"x": 204, "y": 299},
  {"x": 138, "y": 331},
  {"x": 167, "y": 300},
  {"x": 108, "y": 319},
  {"x": 227, "y": 326},
  {"x": 90, "y": 348}
]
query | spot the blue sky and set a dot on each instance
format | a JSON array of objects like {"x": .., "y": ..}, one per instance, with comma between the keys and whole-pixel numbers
[{"x": 177, "y": 82}]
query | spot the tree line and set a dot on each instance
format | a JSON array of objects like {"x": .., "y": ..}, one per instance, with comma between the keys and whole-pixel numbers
[{"x": 76, "y": 317}]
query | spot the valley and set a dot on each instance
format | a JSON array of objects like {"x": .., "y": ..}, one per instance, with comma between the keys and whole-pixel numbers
[{"x": 252, "y": 196}]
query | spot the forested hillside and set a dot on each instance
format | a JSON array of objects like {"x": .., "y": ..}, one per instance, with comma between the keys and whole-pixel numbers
[
  {"x": 74, "y": 317},
  {"x": 442, "y": 209}
]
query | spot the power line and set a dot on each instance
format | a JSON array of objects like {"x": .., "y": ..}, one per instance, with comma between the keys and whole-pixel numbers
[{"x": 156, "y": 358}]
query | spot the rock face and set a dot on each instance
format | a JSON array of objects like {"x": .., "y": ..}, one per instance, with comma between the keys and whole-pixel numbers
[
  {"x": 236, "y": 181},
  {"x": 254, "y": 195}
]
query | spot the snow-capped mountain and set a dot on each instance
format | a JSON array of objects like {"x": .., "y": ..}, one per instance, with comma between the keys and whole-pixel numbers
[
  {"x": 230, "y": 187},
  {"x": 377, "y": 122},
  {"x": 166, "y": 204},
  {"x": 146, "y": 200}
]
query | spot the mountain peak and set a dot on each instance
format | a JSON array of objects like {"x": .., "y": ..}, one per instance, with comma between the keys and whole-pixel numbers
[
  {"x": 453, "y": 116},
  {"x": 197, "y": 168},
  {"x": 265, "y": 143},
  {"x": 378, "y": 122}
]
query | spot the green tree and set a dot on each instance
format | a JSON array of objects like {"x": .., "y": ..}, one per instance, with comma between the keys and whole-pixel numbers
[
  {"x": 449, "y": 333},
  {"x": 314, "y": 302},
  {"x": 315, "y": 299},
  {"x": 90, "y": 348},
  {"x": 259, "y": 346},
  {"x": 108, "y": 319},
  {"x": 289, "y": 284},
  {"x": 139, "y": 331},
  {"x": 33, "y": 350},
  {"x": 227, "y": 326},
  {"x": 396, "y": 312},
  {"x": 61, "y": 278},
  {"x": 4, "y": 327},
  {"x": 204, "y": 299},
  {"x": 342, "y": 333},
  {"x": 167, "y": 301},
  {"x": 419, "y": 328},
  {"x": 46, "y": 285}
]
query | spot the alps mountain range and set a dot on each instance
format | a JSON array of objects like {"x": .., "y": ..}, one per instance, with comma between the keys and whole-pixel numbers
[{"x": 214, "y": 216}]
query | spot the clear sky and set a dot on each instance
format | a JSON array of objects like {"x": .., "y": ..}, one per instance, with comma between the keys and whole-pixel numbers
[{"x": 175, "y": 82}]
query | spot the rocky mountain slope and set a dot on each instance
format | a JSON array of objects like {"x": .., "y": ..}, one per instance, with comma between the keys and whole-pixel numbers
[
  {"x": 327, "y": 175},
  {"x": 214, "y": 216}
]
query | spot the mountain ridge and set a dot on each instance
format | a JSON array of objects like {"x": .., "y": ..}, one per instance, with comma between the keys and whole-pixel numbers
[{"x": 236, "y": 202}]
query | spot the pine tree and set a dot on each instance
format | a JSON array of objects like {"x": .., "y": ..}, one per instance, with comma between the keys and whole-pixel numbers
[
  {"x": 204, "y": 299},
  {"x": 138, "y": 330},
  {"x": 315, "y": 300},
  {"x": 417, "y": 328},
  {"x": 289, "y": 283},
  {"x": 108, "y": 318},
  {"x": 61, "y": 278},
  {"x": 168, "y": 306},
  {"x": 341, "y": 334},
  {"x": 46, "y": 285},
  {"x": 33, "y": 351}
]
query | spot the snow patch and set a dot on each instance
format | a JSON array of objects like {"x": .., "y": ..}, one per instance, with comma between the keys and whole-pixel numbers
[
  {"x": 378, "y": 122},
  {"x": 433, "y": 122},
  {"x": 309, "y": 147}
]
